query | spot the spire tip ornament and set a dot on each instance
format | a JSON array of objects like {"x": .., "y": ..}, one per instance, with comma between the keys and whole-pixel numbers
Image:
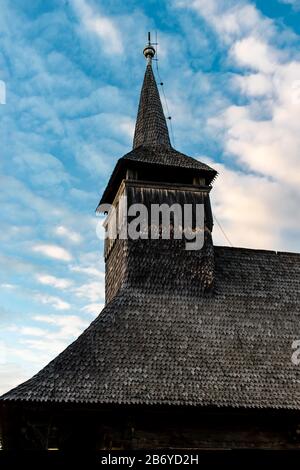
[{"x": 149, "y": 51}]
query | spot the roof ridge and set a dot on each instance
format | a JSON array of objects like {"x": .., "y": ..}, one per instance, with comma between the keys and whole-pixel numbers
[
  {"x": 257, "y": 250},
  {"x": 242, "y": 248}
]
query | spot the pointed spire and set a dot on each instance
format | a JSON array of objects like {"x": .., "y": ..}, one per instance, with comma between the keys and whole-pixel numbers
[{"x": 151, "y": 127}]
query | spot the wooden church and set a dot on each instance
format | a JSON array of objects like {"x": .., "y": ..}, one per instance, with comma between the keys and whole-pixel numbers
[{"x": 192, "y": 349}]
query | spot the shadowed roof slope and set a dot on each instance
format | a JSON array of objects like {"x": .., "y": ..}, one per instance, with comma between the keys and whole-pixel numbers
[{"x": 157, "y": 344}]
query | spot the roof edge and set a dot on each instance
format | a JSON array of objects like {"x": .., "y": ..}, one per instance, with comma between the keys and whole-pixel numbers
[{"x": 256, "y": 250}]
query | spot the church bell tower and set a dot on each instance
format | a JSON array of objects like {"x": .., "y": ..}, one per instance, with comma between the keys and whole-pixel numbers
[{"x": 153, "y": 173}]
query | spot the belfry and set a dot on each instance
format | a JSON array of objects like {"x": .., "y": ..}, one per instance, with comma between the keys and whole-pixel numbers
[{"x": 193, "y": 347}]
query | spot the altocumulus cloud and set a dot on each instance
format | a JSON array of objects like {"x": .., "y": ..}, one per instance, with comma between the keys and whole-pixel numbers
[
  {"x": 101, "y": 25},
  {"x": 56, "y": 302},
  {"x": 262, "y": 135},
  {"x": 35, "y": 345},
  {"x": 48, "y": 280},
  {"x": 53, "y": 251},
  {"x": 71, "y": 235}
]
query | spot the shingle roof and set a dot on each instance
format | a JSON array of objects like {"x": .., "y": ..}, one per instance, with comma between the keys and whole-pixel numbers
[
  {"x": 166, "y": 156},
  {"x": 151, "y": 127},
  {"x": 157, "y": 156},
  {"x": 151, "y": 143},
  {"x": 163, "y": 340}
]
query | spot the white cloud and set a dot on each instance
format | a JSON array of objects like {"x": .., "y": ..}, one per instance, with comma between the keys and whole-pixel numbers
[
  {"x": 246, "y": 208},
  {"x": 31, "y": 357},
  {"x": 93, "y": 309},
  {"x": 48, "y": 280},
  {"x": 256, "y": 54},
  {"x": 253, "y": 85},
  {"x": 36, "y": 346},
  {"x": 93, "y": 291},
  {"x": 231, "y": 19},
  {"x": 56, "y": 302},
  {"x": 268, "y": 145},
  {"x": 11, "y": 375},
  {"x": 28, "y": 330},
  {"x": 103, "y": 26},
  {"x": 53, "y": 251},
  {"x": 63, "y": 231},
  {"x": 88, "y": 270},
  {"x": 69, "y": 326},
  {"x": 260, "y": 136}
]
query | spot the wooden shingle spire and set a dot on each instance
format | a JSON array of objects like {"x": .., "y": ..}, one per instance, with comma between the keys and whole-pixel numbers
[{"x": 151, "y": 128}]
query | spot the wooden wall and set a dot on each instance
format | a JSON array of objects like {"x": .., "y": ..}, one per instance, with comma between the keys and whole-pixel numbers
[{"x": 67, "y": 427}]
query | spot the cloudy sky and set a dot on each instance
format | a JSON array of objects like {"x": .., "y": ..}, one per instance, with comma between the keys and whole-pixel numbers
[{"x": 72, "y": 72}]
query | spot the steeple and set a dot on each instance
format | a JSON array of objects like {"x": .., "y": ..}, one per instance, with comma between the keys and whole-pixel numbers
[
  {"x": 151, "y": 128},
  {"x": 153, "y": 158}
]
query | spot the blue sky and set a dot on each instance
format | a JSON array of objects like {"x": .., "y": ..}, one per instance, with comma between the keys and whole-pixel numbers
[{"x": 73, "y": 71}]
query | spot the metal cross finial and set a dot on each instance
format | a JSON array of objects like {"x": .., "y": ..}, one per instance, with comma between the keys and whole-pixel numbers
[{"x": 149, "y": 51}]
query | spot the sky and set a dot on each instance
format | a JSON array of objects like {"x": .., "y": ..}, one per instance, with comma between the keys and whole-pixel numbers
[{"x": 72, "y": 73}]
